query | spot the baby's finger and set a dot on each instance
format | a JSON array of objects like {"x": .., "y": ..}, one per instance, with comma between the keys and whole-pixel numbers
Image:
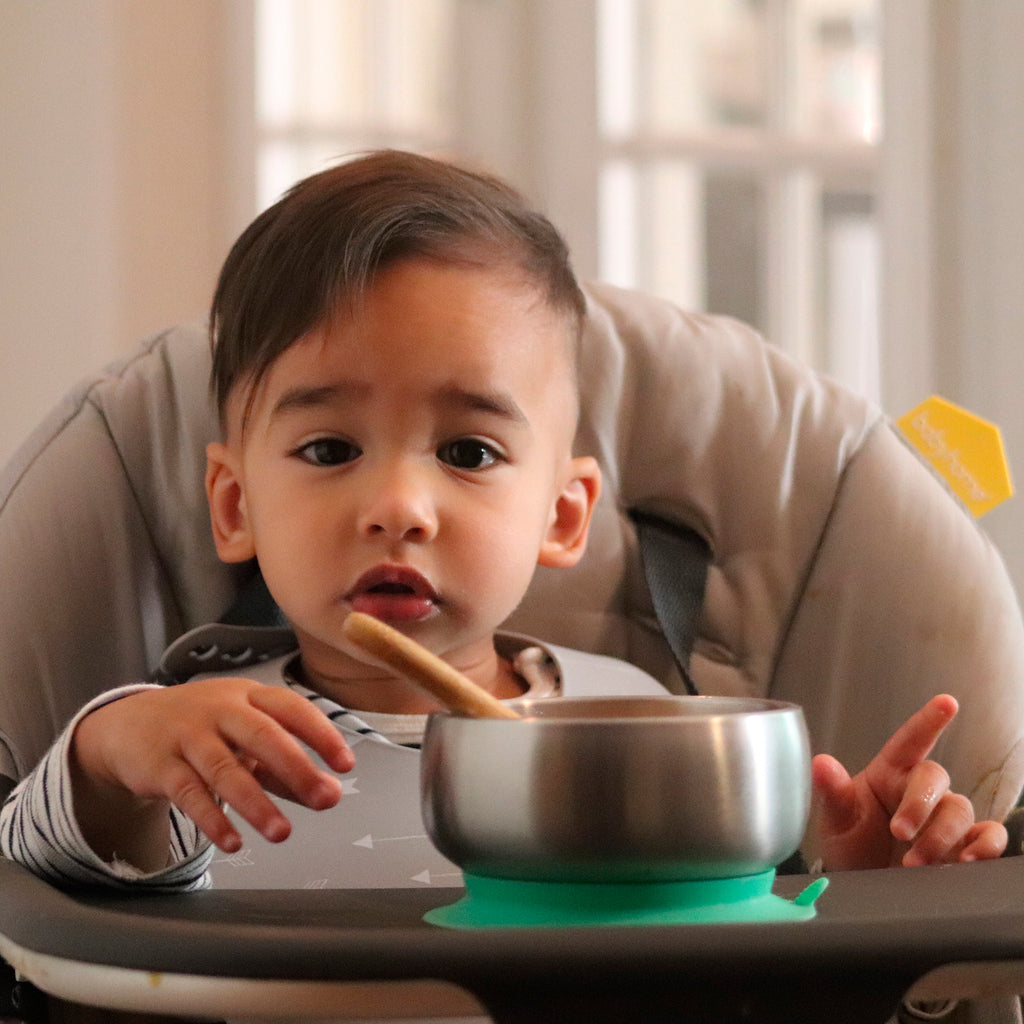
[
  {"x": 224, "y": 776},
  {"x": 910, "y": 744},
  {"x": 306, "y": 722},
  {"x": 187, "y": 791},
  {"x": 914, "y": 739},
  {"x": 985, "y": 840},
  {"x": 259, "y": 738},
  {"x": 835, "y": 797},
  {"x": 281, "y": 787},
  {"x": 926, "y": 785},
  {"x": 942, "y": 839}
]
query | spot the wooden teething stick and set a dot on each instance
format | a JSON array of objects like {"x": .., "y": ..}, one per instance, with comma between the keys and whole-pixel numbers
[{"x": 425, "y": 669}]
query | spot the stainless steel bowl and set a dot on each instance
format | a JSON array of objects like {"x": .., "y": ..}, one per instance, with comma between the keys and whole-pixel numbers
[{"x": 619, "y": 789}]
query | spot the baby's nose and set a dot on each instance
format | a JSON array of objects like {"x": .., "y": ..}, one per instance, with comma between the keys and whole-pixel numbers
[{"x": 401, "y": 506}]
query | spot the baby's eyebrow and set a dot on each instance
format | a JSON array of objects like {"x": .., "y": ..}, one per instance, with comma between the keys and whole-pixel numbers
[
  {"x": 311, "y": 396},
  {"x": 498, "y": 403}
]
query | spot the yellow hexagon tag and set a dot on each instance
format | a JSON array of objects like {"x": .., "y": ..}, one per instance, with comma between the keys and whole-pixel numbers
[{"x": 966, "y": 450}]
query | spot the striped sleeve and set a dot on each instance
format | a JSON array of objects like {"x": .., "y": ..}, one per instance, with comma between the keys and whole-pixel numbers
[{"x": 38, "y": 829}]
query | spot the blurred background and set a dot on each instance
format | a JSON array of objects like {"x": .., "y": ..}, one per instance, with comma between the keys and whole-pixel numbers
[{"x": 847, "y": 175}]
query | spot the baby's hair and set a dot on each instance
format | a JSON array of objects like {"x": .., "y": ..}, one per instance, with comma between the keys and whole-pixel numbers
[{"x": 325, "y": 241}]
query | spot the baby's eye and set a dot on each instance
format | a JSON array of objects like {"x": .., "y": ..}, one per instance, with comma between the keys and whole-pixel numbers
[
  {"x": 328, "y": 451},
  {"x": 468, "y": 453}
]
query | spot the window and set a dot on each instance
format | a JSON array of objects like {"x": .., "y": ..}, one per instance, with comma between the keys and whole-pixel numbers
[
  {"x": 738, "y": 141},
  {"x": 334, "y": 77},
  {"x": 731, "y": 145}
]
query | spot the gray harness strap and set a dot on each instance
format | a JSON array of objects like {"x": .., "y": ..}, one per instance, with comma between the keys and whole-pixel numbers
[{"x": 675, "y": 560}]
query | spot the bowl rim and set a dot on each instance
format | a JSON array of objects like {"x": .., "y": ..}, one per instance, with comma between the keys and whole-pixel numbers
[{"x": 598, "y": 710}]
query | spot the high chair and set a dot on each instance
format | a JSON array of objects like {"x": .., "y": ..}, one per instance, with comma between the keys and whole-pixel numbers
[{"x": 840, "y": 573}]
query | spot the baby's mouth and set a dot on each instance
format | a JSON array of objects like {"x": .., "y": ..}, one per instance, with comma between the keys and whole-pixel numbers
[{"x": 393, "y": 593}]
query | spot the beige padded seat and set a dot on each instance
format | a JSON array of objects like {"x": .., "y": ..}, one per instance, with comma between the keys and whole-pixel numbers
[{"x": 843, "y": 574}]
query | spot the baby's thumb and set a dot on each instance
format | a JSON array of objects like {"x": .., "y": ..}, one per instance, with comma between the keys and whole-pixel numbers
[{"x": 835, "y": 796}]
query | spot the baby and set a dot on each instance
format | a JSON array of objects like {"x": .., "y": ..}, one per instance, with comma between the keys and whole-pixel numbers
[{"x": 395, "y": 367}]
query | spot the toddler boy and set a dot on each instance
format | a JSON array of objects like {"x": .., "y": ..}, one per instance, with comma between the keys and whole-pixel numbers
[{"x": 395, "y": 369}]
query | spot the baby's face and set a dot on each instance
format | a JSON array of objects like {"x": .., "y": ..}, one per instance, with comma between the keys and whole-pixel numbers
[{"x": 414, "y": 462}]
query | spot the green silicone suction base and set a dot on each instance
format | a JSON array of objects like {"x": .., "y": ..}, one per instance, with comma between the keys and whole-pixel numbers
[{"x": 508, "y": 903}]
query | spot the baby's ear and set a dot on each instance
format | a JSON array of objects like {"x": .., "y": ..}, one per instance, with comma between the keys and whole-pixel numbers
[
  {"x": 226, "y": 498},
  {"x": 566, "y": 539}
]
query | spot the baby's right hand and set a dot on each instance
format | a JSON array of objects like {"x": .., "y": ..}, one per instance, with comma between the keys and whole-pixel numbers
[{"x": 195, "y": 745}]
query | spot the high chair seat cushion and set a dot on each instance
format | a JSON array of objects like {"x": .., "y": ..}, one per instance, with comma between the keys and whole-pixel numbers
[{"x": 843, "y": 576}]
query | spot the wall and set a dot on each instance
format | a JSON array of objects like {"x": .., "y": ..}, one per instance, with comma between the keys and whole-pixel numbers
[
  {"x": 119, "y": 188},
  {"x": 980, "y": 215},
  {"x": 954, "y": 222}
]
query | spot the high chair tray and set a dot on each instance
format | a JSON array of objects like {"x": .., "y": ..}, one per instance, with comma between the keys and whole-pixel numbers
[{"x": 953, "y": 931}]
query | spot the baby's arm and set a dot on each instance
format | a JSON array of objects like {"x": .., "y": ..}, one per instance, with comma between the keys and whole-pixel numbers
[
  {"x": 196, "y": 746},
  {"x": 900, "y": 809},
  {"x": 38, "y": 828}
]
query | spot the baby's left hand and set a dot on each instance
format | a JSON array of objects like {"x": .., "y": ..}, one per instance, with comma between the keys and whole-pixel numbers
[{"x": 899, "y": 809}]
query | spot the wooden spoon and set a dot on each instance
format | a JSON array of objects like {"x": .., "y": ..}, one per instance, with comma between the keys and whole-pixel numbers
[{"x": 413, "y": 661}]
